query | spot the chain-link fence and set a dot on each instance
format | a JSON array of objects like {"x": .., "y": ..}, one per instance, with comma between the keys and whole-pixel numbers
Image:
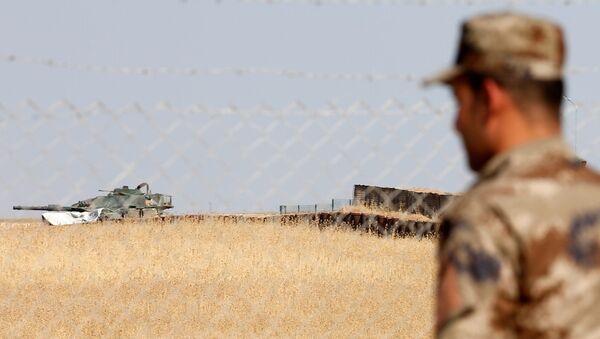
[
  {"x": 235, "y": 160},
  {"x": 223, "y": 160},
  {"x": 228, "y": 264}
]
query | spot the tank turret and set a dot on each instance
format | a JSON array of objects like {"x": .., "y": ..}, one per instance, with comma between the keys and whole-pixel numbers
[{"x": 118, "y": 203}]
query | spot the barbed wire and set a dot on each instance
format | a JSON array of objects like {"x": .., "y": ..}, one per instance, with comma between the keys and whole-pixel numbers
[
  {"x": 199, "y": 72},
  {"x": 233, "y": 71},
  {"x": 407, "y": 2},
  {"x": 391, "y": 106}
]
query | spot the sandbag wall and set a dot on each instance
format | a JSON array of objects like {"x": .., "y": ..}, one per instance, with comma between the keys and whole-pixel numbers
[{"x": 427, "y": 203}]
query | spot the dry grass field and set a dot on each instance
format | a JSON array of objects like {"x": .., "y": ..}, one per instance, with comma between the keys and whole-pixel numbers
[{"x": 212, "y": 280}]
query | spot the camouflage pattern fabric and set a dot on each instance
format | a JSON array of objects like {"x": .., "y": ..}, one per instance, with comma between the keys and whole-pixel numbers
[
  {"x": 508, "y": 43},
  {"x": 520, "y": 252}
]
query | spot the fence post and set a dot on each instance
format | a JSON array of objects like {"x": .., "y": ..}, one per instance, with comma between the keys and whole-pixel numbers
[
  {"x": 315, "y": 208},
  {"x": 332, "y": 205}
]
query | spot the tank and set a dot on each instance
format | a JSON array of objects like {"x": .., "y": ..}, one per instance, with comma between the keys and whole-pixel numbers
[{"x": 119, "y": 203}]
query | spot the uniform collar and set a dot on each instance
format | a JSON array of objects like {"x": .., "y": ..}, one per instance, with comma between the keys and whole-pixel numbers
[{"x": 525, "y": 156}]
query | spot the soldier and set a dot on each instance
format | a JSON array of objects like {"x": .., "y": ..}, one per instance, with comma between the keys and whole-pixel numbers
[{"x": 520, "y": 251}]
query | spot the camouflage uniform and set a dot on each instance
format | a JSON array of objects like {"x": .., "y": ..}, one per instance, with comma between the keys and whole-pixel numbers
[{"x": 520, "y": 251}]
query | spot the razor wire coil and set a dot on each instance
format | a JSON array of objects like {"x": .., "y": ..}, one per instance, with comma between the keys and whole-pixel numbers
[
  {"x": 291, "y": 74},
  {"x": 318, "y": 3}
]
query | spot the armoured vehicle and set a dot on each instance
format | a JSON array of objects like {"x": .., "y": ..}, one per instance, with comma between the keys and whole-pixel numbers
[{"x": 119, "y": 203}]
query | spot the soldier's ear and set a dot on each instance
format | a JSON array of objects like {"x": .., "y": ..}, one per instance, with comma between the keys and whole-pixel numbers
[{"x": 496, "y": 98}]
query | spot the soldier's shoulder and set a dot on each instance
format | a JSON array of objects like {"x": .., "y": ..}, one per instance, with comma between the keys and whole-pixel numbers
[
  {"x": 564, "y": 169},
  {"x": 546, "y": 186},
  {"x": 528, "y": 205},
  {"x": 534, "y": 192},
  {"x": 471, "y": 213},
  {"x": 541, "y": 181},
  {"x": 479, "y": 196}
]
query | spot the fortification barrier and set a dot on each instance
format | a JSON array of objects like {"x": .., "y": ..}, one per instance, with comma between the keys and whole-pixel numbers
[
  {"x": 425, "y": 202},
  {"x": 367, "y": 222}
]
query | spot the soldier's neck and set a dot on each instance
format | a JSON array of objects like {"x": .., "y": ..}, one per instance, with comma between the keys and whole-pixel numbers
[{"x": 522, "y": 131}]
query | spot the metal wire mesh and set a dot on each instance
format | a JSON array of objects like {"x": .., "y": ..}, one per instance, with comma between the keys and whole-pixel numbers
[
  {"x": 227, "y": 159},
  {"x": 240, "y": 266},
  {"x": 335, "y": 205},
  {"x": 405, "y": 2},
  {"x": 233, "y": 160},
  {"x": 129, "y": 279},
  {"x": 146, "y": 71}
]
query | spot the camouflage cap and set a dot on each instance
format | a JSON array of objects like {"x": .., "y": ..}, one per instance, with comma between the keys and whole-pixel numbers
[{"x": 508, "y": 43}]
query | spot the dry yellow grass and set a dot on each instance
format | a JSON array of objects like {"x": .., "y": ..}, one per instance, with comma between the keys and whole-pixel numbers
[{"x": 212, "y": 280}]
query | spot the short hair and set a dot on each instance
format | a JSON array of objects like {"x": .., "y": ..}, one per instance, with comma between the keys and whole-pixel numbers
[{"x": 525, "y": 90}]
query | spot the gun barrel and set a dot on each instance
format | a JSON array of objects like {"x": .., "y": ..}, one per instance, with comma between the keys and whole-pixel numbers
[{"x": 56, "y": 208}]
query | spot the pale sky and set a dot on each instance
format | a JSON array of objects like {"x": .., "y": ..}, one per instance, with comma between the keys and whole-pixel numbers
[{"x": 235, "y": 162}]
